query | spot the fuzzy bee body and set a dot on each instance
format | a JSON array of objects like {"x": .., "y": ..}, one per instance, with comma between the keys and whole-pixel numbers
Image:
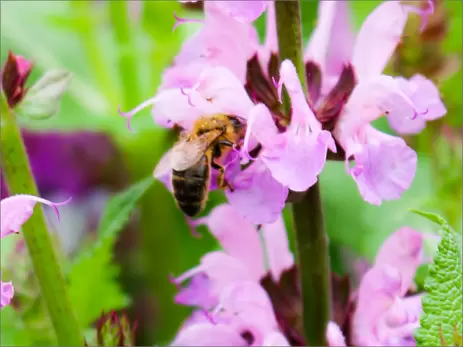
[
  {"x": 206, "y": 145},
  {"x": 191, "y": 186}
]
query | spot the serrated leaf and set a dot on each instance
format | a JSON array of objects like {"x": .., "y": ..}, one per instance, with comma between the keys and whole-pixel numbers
[
  {"x": 93, "y": 277},
  {"x": 442, "y": 306}
]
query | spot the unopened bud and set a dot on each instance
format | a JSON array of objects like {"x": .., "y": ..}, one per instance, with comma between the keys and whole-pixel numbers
[
  {"x": 43, "y": 98},
  {"x": 14, "y": 75},
  {"x": 114, "y": 329}
]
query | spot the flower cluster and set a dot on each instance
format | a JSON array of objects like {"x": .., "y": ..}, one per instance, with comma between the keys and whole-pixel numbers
[
  {"x": 236, "y": 290},
  {"x": 15, "y": 211},
  {"x": 223, "y": 69}
]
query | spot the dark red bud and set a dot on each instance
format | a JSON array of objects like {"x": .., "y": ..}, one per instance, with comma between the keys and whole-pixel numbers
[{"x": 14, "y": 75}]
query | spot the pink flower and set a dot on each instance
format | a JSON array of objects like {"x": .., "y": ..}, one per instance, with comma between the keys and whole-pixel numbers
[
  {"x": 408, "y": 104},
  {"x": 241, "y": 258},
  {"x": 296, "y": 157},
  {"x": 243, "y": 317},
  {"x": 7, "y": 293},
  {"x": 15, "y": 211},
  {"x": 384, "y": 316}
]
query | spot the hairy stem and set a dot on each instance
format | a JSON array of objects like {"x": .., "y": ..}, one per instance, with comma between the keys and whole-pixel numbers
[
  {"x": 311, "y": 239},
  {"x": 19, "y": 179}
]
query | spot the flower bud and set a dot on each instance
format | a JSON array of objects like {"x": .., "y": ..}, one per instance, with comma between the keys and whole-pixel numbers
[
  {"x": 114, "y": 329},
  {"x": 14, "y": 75},
  {"x": 43, "y": 98}
]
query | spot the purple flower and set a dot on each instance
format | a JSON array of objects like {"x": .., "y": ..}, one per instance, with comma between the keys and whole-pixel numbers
[
  {"x": 296, "y": 157},
  {"x": 242, "y": 257},
  {"x": 15, "y": 211},
  {"x": 384, "y": 315},
  {"x": 384, "y": 166}
]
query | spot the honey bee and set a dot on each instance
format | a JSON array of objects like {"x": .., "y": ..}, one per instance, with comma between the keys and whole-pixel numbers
[{"x": 206, "y": 145}]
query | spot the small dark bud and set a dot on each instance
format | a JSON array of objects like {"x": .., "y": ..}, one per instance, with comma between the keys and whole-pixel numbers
[{"x": 14, "y": 75}]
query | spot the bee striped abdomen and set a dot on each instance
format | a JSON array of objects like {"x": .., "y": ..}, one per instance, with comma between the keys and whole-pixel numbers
[{"x": 191, "y": 186}]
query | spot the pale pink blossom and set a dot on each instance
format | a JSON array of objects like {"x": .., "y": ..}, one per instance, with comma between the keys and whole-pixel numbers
[{"x": 15, "y": 211}]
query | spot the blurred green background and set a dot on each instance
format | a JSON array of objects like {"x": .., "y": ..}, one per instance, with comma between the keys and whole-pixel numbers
[{"x": 117, "y": 51}]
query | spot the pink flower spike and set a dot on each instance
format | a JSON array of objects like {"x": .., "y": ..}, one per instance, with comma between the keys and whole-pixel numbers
[
  {"x": 6, "y": 293},
  {"x": 180, "y": 21},
  {"x": 17, "y": 209}
]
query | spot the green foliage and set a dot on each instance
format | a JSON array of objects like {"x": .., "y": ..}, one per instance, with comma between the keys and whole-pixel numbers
[
  {"x": 93, "y": 282},
  {"x": 442, "y": 319}
]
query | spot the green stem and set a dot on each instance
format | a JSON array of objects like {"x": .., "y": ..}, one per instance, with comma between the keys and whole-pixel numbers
[
  {"x": 311, "y": 239},
  {"x": 119, "y": 15},
  {"x": 19, "y": 179}
]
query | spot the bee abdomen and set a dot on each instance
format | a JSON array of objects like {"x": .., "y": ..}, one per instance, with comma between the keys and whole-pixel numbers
[{"x": 191, "y": 186}]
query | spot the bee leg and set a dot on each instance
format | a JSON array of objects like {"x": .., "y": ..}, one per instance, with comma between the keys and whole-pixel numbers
[{"x": 221, "y": 181}]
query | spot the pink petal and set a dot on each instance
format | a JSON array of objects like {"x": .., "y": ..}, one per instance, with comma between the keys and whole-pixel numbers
[
  {"x": 378, "y": 37},
  {"x": 298, "y": 164},
  {"x": 369, "y": 101},
  {"x": 425, "y": 95},
  {"x": 198, "y": 293},
  {"x": 334, "y": 335},
  {"x": 375, "y": 296},
  {"x": 219, "y": 91},
  {"x": 383, "y": 169},
  {"x": 396, "y": 326},
  {"x": 332, "y": 41},
  {"x": 247, "y": 307},
  {"x": 220, "y": 35},
  {"x": 238, "y": 237},
  {"x": 257, "y": 195},
  {"x": 275, "y": 339},
  {"x": 181, "y": 76},
  {"x": 279, "y": 256},
  {"x": 223, "y": 268},
  {"x": 242, "y": 11},
  {"x": 206, "y": 334},
  {"x": 261, "y": 128},
  {"x": 403, "y": 250},
  {"x": 7, "y": 293},
  {"x": 271, "y": 37},
  {"x": 17, "y": 209},
  {"x": 301, "y": 112}
]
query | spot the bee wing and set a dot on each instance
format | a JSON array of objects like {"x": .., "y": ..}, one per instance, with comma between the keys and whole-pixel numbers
[
  {"x": 187, "y": 153},
  {"x": 164, "y": 165}
]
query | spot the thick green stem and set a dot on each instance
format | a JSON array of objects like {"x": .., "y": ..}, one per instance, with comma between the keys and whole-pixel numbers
[
  {"x": 19, "y": 179},
  {"x": 119, "y": 14},
  {"x": 311, "y": 239}
]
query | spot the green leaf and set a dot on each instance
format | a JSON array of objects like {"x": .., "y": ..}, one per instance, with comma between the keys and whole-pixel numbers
[
  {"x": 12, "y": 330},
  {"x": 442, "y": 306},
  {"x": 93, "y": 277}
]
